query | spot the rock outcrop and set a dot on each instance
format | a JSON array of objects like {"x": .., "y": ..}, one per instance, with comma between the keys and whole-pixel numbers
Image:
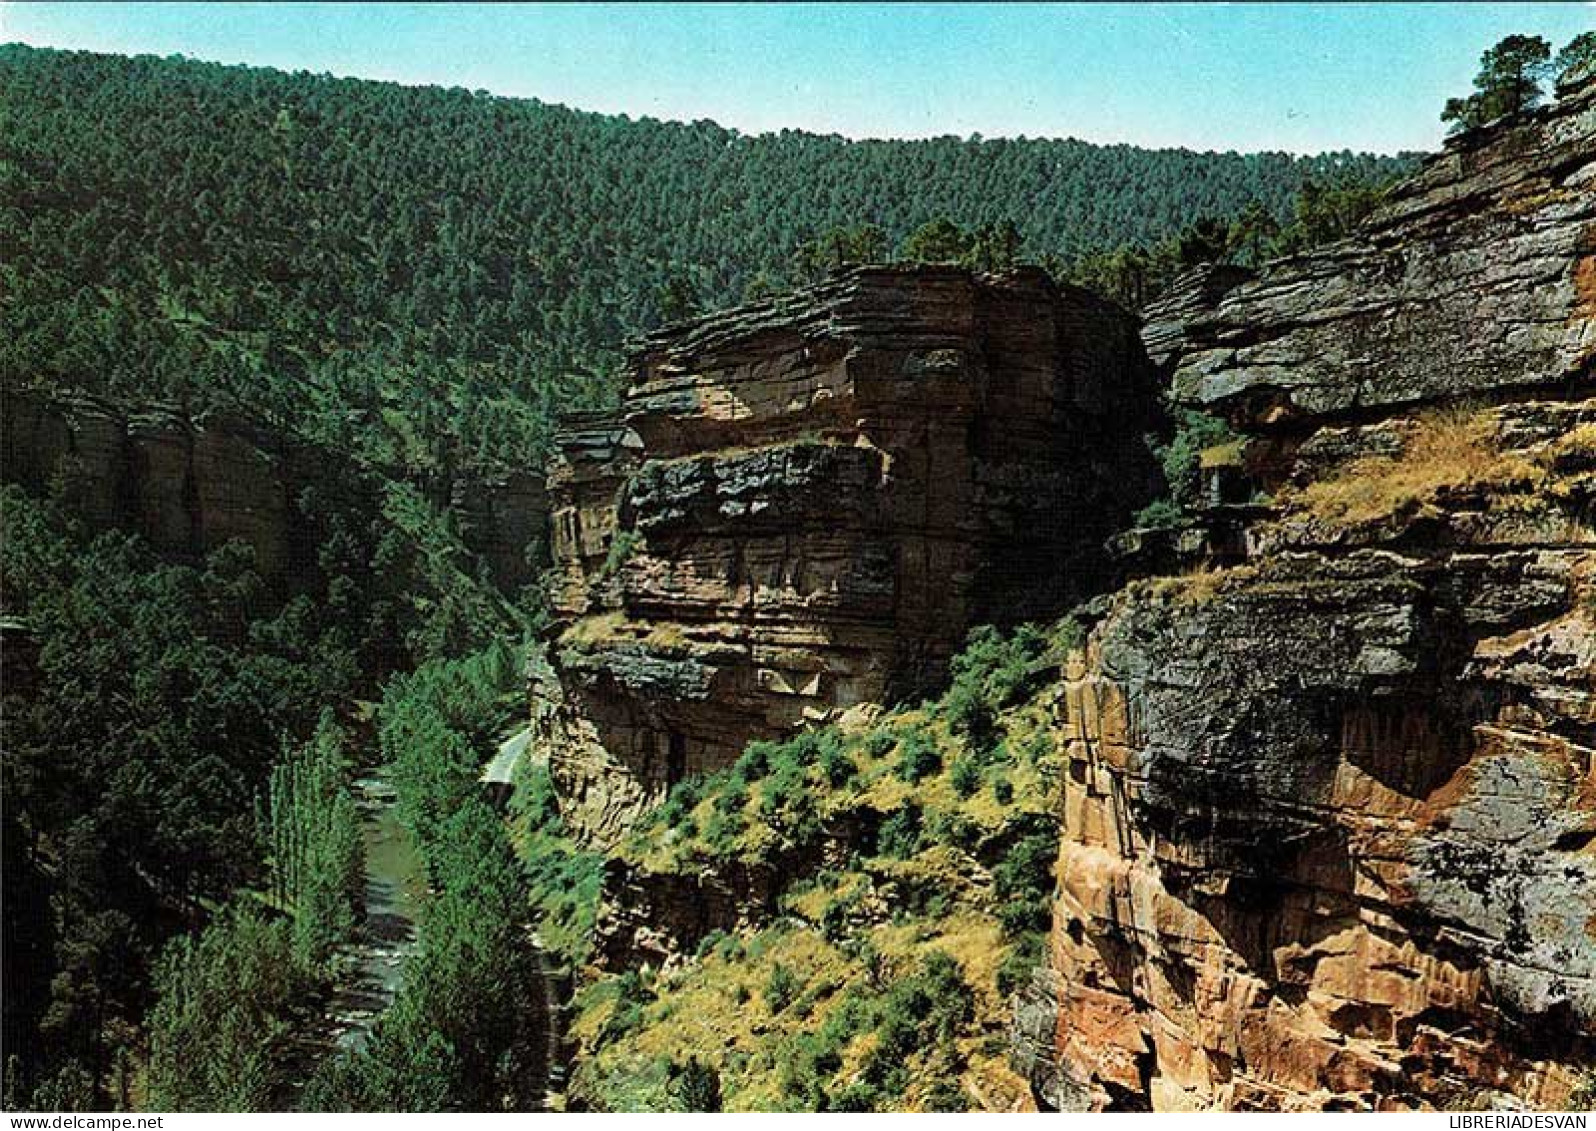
[
  {"x": 804, "y": 504},
  {"x": 1330, "y": 802},
  {"x": 191, "y": 485},
  {"x": 186, "y": 489}
]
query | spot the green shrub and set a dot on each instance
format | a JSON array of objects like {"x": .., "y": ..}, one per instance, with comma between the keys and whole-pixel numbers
[
  {"x": 694, "y": 1086},
  {"x": 1014, "y": 971},
  {"x": 879, "y": 743},
  {"x": 1002, "y": 790},
  {"x": 723, "y": 830},
  {"x": 1000, "y": 671},
  {"x": 855, "y": 1097},
  {"x": 754, "y": 763},
  {"x": 781, "y": 988},
  {"x": 954, "y": 829},
  {"x": 924, "y": 1010},
  {"x": 1181, "y": 458},
  {"x": 918, "y": 757},
  {"x": 971, "y": 719},
  {"x": 783, "y": 787},
  {"x": 835, "y": 917},
  {"x": 945, "y": 1095},
  {"x": 1160, "y": 514},
  {"x": 836, "y": 763},
  {"x": 900, "y": 833},
  {"x": 730, "y": 798},
  {"x": 622, "y": 546},
  {"x": 965, "y": 777}
]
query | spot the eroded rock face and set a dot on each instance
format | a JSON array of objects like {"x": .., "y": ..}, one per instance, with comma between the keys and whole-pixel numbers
[
  {"x": 187, "y": 489},
  {"x": 804, "y": 504},
  {"x": 191, "y": 486},
  {"x": 1330, "y": 810},
  {"x": 1475, "y": 278}
]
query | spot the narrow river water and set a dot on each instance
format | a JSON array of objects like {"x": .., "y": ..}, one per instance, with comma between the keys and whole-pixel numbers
[{"x": 395, "y": 886}]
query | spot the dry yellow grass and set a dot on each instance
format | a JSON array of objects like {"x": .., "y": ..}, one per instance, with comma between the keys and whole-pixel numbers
[
  {"x": 1198, "y": 584},
  {"x": 1446, "y": 450},
  {"x": 1222, "y": 455},
  {"x": 593, "y": 631},
  {"x": 608, "y": 629}
]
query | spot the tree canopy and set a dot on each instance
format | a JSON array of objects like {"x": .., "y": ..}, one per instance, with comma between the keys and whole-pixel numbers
[{"x": 1512, "y": 75}]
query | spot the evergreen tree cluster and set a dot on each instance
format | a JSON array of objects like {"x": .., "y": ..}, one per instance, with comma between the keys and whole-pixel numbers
[
  {"x": 423, "y": 277},
  {"x": 1513, "y": 75}
]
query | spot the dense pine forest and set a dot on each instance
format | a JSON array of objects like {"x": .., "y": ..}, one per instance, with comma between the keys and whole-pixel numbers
[
  {"x": 412, "y": 281},
  {"x": 318, "y": 247}
]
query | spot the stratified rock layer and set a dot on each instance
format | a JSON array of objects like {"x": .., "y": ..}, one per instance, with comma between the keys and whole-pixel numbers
[
  {"x": 1475, "y": 278},
  {"x": 189, "y": 486},
  {"x": 805, "y": 504},
  {"x": 1330, "y": 811}
]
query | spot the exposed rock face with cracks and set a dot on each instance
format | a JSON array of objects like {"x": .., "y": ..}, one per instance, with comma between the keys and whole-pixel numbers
[
  {"x": 804, "y": 504},
  {"x": 1330, "y": 810}
]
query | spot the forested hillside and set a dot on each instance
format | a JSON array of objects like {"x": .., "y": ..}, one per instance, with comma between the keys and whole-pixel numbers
[
  {"x": 413, "y": 283},
  {"x": 425, "y": 274}
]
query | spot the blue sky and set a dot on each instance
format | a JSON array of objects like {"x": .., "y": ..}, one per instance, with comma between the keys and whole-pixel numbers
[{"x": 1303, "y": 77}]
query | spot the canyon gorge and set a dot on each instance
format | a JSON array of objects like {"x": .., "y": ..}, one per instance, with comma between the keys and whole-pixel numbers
[
  {"x": 1327, "y": 807},
  {"x": 928, "y": 685}
]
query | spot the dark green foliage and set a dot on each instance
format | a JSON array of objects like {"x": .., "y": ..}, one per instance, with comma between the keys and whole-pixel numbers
[
  {"x": 475, "y": 260},
  {"x": 937, "y": 241},
  {"x": 1509, "y": 82},
  {"x": 753, "y": 763},
  {"x": 1002, "y": 790},
  {"x": 679, "y": 299},
  {"x": 814, "y": 1058},
  {"x": 1328, "y": 210},
  {"x": 965, "y": 777},
  {"x": 1023, "y": 880},
  {"x": 840, "y": 247},
  {"x": 316, "y": 853},
  {"x": 900, "y": 833},
  {"x": 460, "y": 1014},
  {"x": 723, "y": 830},
  {"x": 946, "y": 1095},
  {"x": 694, "y": 1086},
  {"x": 836, "y": 764},
  {"x": 1577, "y": 57},
  {"x": 954, "y": 829},
  {"x": 1325, "y": 207},
  {"x": 1000, "y": 670},
  {"x": 1180, "y": 456},
  {"x": 918, "y": 756},
  {"x": 218, "y": 1034},
  {"x": 1014, "y": 972},
  {"x": 918, "y": 1016},
  {"x": 923, "y": 1011},
  {"x": 879, "y": 742},
  {"x": 564, "y": 880},
  {"x": 780, "y": 990},
  {"x": 1161, "y": 514},
  {"x": 971, "y": 719},
  {"x": 160, "y": 698}
]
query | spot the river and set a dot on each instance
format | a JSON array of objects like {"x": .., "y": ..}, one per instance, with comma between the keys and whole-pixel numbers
[{"x": 395, "y": 886}]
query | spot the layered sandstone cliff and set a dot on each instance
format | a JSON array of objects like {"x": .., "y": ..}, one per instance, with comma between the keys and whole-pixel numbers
[
  {"x": 804, "y": 504},
  {"x": 190, "y": 485},
  {"x": 1330, "y": 800}
]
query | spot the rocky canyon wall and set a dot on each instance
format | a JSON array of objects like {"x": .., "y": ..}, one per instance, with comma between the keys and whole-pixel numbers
[
  {"x": 804, "y": 504},
  {"x": 1330, "y": 791},
  {"x": 189, "y": 486}
]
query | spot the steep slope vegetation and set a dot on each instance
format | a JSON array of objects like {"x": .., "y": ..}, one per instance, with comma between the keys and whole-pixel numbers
[{"x": 370, "y": 261}]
